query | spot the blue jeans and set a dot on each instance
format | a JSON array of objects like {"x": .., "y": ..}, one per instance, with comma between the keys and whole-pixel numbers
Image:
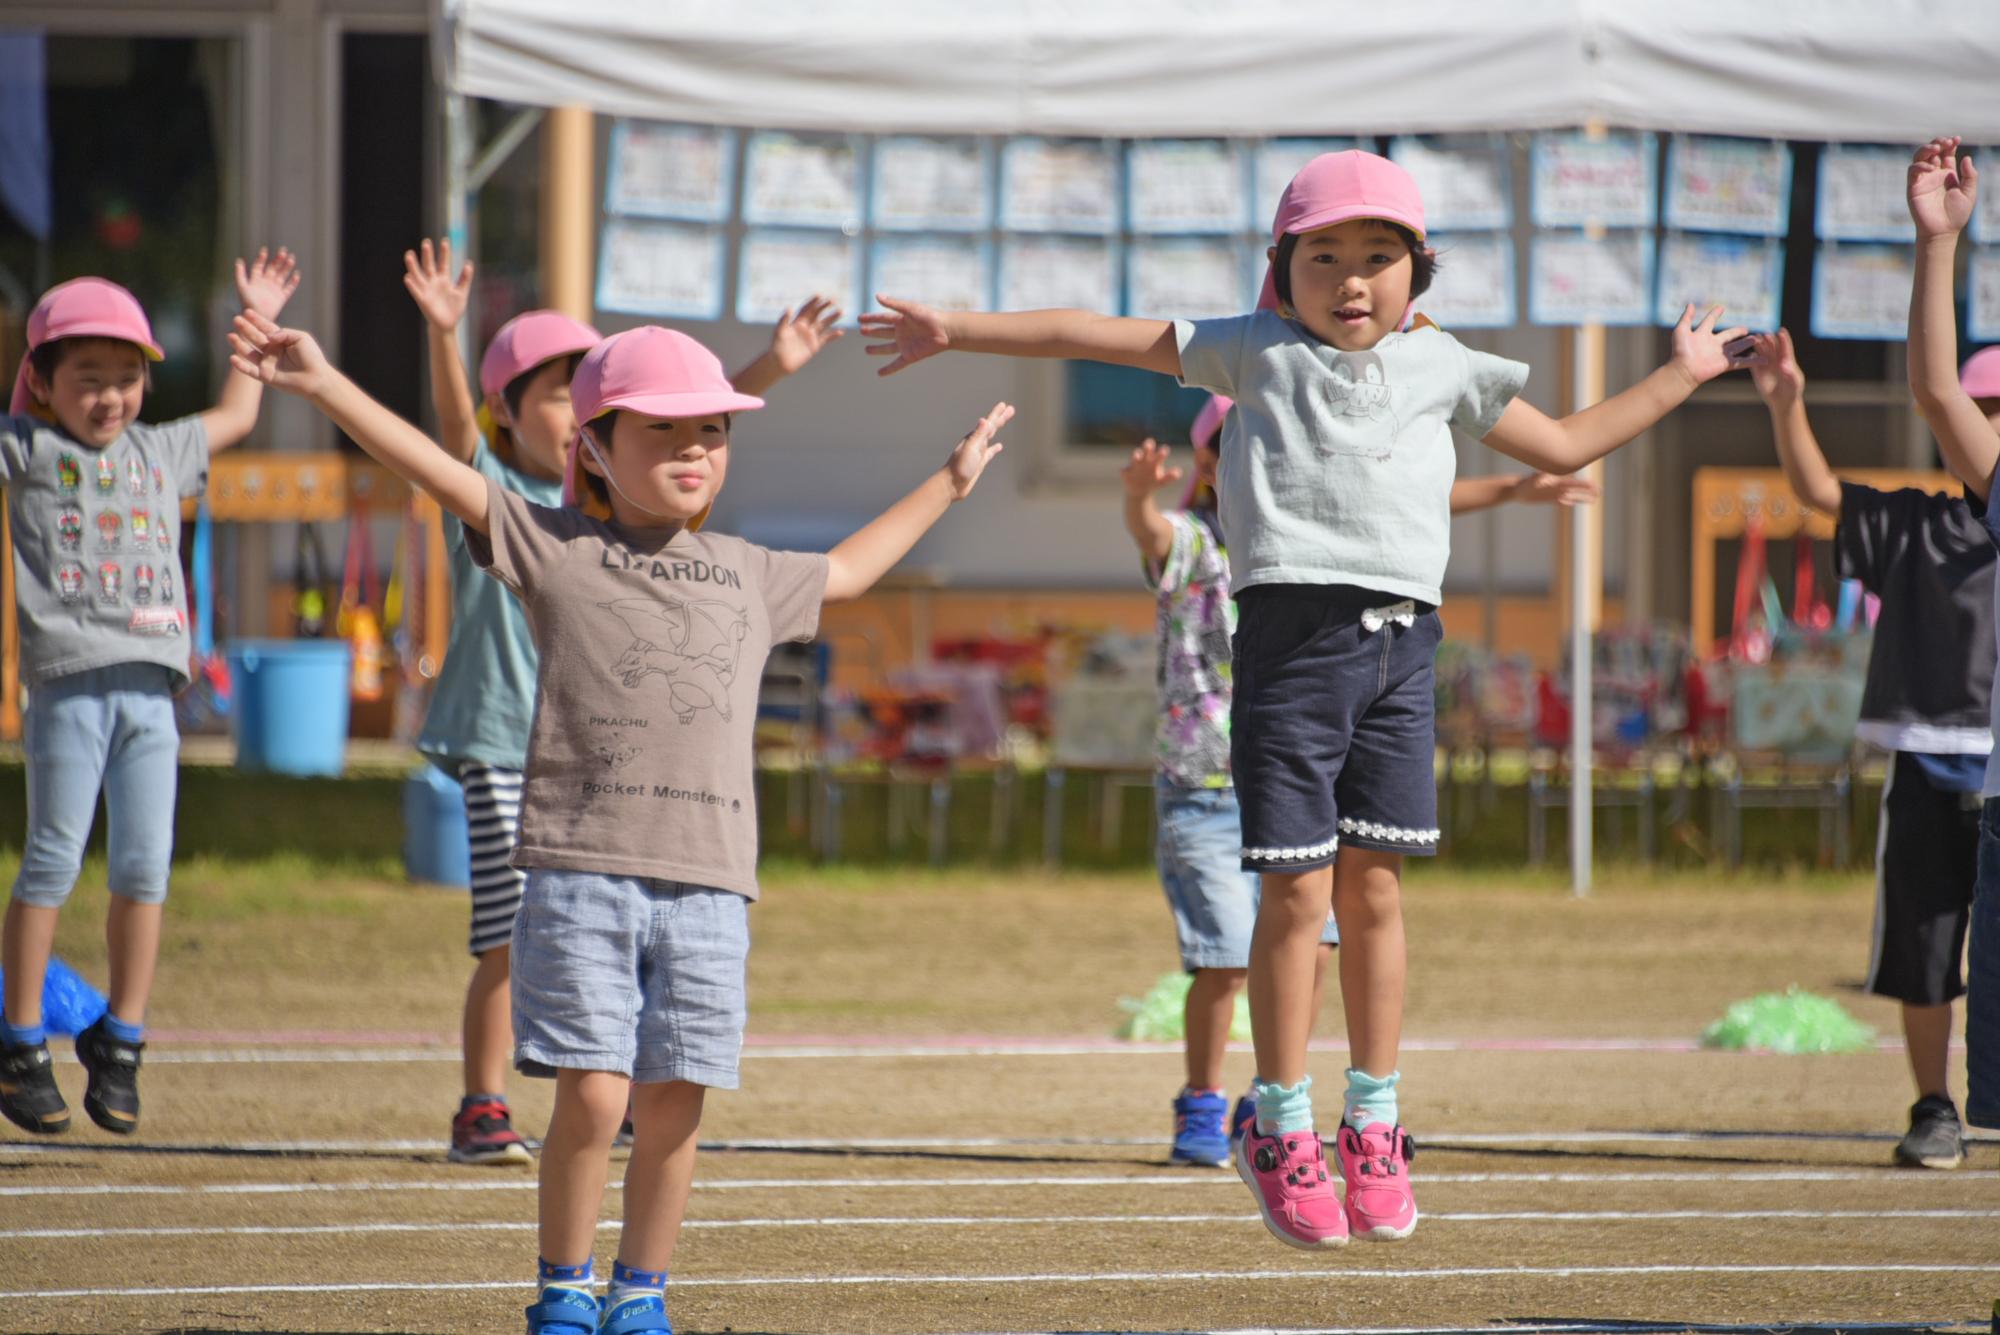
[
  {"x": 1200, "y": 852},
  {"x": 110, "y": 728},
  {"x": 1982, "y": 997}
]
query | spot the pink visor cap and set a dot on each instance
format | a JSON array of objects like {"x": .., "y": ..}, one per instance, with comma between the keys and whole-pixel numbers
[
  {"x": 1208, "y": 422},
  {"x": 1339, "y": 187},
  {"x": 528, "y": 340},
  {"x": 1980, "y": 376},
  {"x": 83, "y": 308},
  {"x": 650, "y": 370}
]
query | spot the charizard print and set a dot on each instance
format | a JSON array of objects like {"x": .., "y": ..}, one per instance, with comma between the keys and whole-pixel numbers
[{"x": 694, "y": 645}]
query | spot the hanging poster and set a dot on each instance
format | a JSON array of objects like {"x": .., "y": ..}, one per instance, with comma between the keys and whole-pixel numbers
[
  {"x": 1862, "y": 291},
  {"x": 1186, "y": 185},
  {"x": 1863, "y": 194},
  {"x": 659, "y": 268},
  {"x": 1039, "y": 272},
  {"x": 1060, "y": 185},
  {"x": 1983, "y": 286},
  {"x": 1276, "y": 161},
  {"x": 924, "y": 184},
  {"x": 1729, "y": 185},
  {"x": 1187, "y": 278},
  {"x": 659, "y": 170},
  {"x": 1986, "y": 209},
  {"x": 950, "y": 273},
  {"x": 1580, "y": 180},
  {"x": 802, "y": 180},
  {"x": 1474, "y": 287},
  {"x": 1464, "y": 179},
  {"x": 1743, "y": 275},
  {"x": 779, "y": 268},
  {"x": 1575, "y": 278}
]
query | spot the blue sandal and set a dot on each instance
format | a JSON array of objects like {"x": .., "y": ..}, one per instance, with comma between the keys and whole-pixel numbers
[
  {"x": 645, "y": 1314},
  {"x": 563, "y": 1311}
]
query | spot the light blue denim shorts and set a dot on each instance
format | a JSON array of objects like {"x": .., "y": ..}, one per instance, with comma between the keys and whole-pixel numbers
[
  {"x": 626, "y": 974},
  {"x": 110, "y": 728},
  {"x": 1200, "y": 852}
]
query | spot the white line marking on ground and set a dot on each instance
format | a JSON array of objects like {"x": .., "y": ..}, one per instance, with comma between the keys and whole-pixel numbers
[
  {"x": 1884, "y": 1176},
  {"x": 993, "y": 1221},
  {"x": 1106, "y": 1277}
]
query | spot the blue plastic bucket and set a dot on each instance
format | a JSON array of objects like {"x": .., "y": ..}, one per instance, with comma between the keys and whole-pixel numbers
[
  {"x": 434, "y": 840},
  {"x": 291, "y": 705}
]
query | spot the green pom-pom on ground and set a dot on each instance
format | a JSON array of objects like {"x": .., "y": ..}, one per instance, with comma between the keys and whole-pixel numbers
[
  {"x": 1790, "y": 1021},
  {"x": 1161, "y": 1015}
]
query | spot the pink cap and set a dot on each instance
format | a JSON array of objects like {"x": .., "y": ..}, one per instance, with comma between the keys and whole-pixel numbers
[
  {"x": 83, "y": 308},
  {"x": 650, "y": 370},
  {"x": 528, "y": 340},
  {"x": 1208, "y": 421},
  {"x": 1336, "y": 188},
  {"x": 1980, "y": 376}
]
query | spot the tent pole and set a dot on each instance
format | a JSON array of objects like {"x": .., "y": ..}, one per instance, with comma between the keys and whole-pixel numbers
[
  {"x": 1586, "y": 608},
  {"x": 569, "y": 197}
]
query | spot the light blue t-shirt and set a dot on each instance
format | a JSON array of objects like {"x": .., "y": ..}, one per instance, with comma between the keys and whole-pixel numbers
[
  {"x": 484, "y": 703},
  {"x": 1337, "y": 466}
]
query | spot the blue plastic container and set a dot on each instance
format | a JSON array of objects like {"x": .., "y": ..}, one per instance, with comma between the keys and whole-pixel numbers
[
  {"x": 434, "y": 840},
  {"x": 291, "y": 705}
]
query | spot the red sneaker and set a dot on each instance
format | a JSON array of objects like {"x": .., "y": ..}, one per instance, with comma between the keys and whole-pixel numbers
[{"x": 483, "y": 1133}]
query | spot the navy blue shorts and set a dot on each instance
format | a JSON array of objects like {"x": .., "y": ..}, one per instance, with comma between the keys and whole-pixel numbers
[{"x": 1332, "y": 729}]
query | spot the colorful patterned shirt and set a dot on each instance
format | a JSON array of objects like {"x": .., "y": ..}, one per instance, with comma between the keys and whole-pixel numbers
[{"x": 1197, "y": 618}]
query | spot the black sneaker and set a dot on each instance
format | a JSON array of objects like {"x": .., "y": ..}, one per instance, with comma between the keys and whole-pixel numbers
[
  {"x": 28, "y": 1093},
  {"x": 1935, "y": 1139},
  {"x": 112, "y": 1095}
]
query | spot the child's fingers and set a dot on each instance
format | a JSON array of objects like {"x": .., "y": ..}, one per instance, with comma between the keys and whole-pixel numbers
[
  {"x": 464, "y": 283},
  {"x": 430, "y": 255},
  {"x": 1708, "y": 321},
  {"x": 879, "y": 349},
  {"x": 1732, "y": 334}
]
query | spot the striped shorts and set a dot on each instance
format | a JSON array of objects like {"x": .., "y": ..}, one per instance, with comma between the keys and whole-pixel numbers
[{"x": 492, "y": 822}]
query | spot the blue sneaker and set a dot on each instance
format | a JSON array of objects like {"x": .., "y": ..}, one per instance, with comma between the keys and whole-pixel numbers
[
  {"x": 1244, "y": 1114},
  {"x": 563, "y": 1312},
  {"x": 1199, "y": 1135},
  {"x": 644, "y": 1314}
]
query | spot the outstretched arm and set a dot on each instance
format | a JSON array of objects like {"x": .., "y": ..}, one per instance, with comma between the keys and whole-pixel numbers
[
  {"x": 289, "y": 359},
  {"x": 911, "y": 332},
  {"x": 870, "y": 553},
  {"x": 264, "y": 286},
  {"x": 1483, "y": 493},
  {"x": 442, "y": 299},
  {"x": 1943, "y": 187},
  {"x": 1563, "y": 445},
  {"x": 1782, "y": 386},
  {"x": 795, "y": 340},
  {"x": 1145, "y": 474}
]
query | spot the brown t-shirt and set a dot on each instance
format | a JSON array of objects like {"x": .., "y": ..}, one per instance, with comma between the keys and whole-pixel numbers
[{"x": 652, "y": 644}]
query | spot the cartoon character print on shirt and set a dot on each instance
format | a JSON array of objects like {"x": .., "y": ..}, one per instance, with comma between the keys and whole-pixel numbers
[
  {"x": 695, "y": 645},
  {"x": 1358, "y": 387},
  {"x": 142, "y": 583},
  {"x": 142, "y": 528},
  {"x": 69, "y": 473},
  {"x": 70, "y": 580},
  {"x": 107, "y": 476},
  {"x": 109, "y": 529},
  {"x": 135, "y": 476},
  {"x": 167, "y": 585},
  {"x": 69, "y": 528},
  {"x": 110, "y": 582},
  {"x": 615, "y": 754}
]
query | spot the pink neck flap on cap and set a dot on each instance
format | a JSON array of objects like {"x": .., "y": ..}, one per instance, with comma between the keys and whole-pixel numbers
[
  {"x": 1207, "y": 430},
  {"x": 1980, "y": 376},
  {"x": 83, "y": 308},
  {"x": 1336, "y": 188}
]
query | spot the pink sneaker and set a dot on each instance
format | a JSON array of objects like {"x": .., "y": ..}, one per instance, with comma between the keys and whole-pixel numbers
[
  {"x": 1288, "y": 1175},
  {"x": 1381, "y": 1203}
]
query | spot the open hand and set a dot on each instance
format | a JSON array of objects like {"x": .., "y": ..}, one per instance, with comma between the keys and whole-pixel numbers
[
  {"x": 1943, "y": 187},
  {"x": 969, "y": 460},
  {"x": 1553, "y": 489},
  {"x": 286, "y": 359},
  {"x": 267, "y": 282},
  {"x": 798, "y": 336},
  {"x": 914, "y": 332},
  {"x": 1147, "y": 471},
  {"x": 427, "y": 278},
  {"x": 1774, "y": 369},
  {"x": 1698, "y": 348}
]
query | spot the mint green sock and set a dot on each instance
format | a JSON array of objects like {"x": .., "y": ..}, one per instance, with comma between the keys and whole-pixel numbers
[
  {"x": 1370, "y": 1098},
  {"x": 1282, "y": 1109}
]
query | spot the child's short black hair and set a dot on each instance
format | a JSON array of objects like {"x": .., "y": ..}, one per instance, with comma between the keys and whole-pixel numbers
[
  {"x": 1423, "y": 262},
  {"x": 517, "y": 388},
  {"x": 46, "y": 357}
]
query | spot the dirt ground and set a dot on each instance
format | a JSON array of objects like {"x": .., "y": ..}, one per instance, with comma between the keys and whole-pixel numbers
[{"x": 935, "y": 1133}]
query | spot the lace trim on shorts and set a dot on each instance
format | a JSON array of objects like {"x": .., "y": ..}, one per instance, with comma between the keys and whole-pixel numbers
[{"x": 1389, "y": 834}]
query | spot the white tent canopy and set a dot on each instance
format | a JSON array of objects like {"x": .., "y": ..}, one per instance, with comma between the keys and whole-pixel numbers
[{"x": 1858, "y": 70}]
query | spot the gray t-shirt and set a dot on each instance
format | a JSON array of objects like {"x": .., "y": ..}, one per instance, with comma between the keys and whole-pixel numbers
[
  {"x": 485, "y": 696},
  {"x": 97, "y": 544},
  {"x": 652, "y": 648},
  {"x": 1337, "y": 466}
]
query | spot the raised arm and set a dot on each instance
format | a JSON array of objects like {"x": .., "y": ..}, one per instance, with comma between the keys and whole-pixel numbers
[
  {"x": 264, "y": 286},
  {"x": 795, "y": 340},
  {"x": 1565, "y": 444},
  {"x": 289, "y": 359},
  {"x": 1943, "y": 187},
  {"x": 442, "y": 299},
  {"x": 1145, "y": 474},
  {"x": 912, "y": 332},
  {"x": 1470, "y": 494},
  {"x": 872, "y": 551},
  {"x": 1782, "y": 386}
]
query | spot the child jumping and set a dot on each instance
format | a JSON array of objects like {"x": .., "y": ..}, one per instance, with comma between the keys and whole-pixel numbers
[
  {"x": 1335, "y": 483},
  {"x": 638, "y": 810},
  {"x": 1963, "y": 411},
  {"x": 1927, "y": 702},
  {"x": 483, "y": 703},
  {"x": 94, "y": 495}
]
